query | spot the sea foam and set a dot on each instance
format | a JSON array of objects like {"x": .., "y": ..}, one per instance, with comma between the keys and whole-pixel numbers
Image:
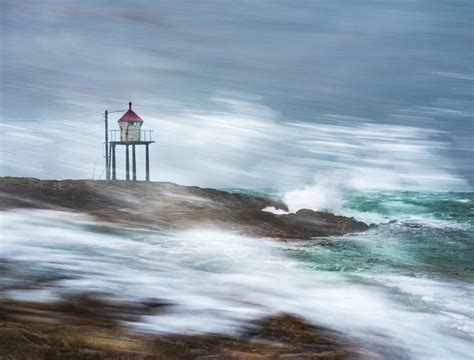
[{"x": 219, "y": 281}]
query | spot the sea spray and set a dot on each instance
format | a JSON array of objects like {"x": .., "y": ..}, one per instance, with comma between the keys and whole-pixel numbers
[{"x": 325, "y": 194}]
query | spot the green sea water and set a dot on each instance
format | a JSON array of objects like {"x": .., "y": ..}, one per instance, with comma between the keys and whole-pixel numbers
[
  {"x": 415, "y": 234},
  {"x": 418, "y": 256},
  {"x": 429, "y": 234}
]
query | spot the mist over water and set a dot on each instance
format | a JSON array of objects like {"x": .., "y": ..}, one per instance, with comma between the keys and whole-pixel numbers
[
  {"x": 244, "y": 144},
  {"x": 403, "y": 288},
  {"x": 244, "y": 93}
]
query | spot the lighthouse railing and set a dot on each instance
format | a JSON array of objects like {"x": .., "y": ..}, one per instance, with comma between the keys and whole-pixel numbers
[
  {"x": 114, "y": 135},
  {"x": 145, "y": 135}
]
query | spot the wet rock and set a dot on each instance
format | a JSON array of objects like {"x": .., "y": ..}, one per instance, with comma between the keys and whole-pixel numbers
[
  {"x": 48, "y": 331},
  {"x": 171, "y": 206}
]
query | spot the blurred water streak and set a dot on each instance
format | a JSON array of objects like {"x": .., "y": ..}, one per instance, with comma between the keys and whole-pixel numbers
[{"x": 319, "y": 71}]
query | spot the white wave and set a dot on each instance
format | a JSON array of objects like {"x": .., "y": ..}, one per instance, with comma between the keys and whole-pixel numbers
[
  {"x": 324, "y": 195},
  {"x": 327, "y": 193},
  {"x": 274, "y": 210},
  {"x": 218, "y": 281}
]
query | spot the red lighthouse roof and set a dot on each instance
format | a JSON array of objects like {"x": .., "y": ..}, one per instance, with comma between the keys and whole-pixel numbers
[{"x": 130, "y": 115}]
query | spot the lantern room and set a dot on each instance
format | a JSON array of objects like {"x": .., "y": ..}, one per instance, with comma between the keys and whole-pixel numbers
[{"x": 130, "y": 125}]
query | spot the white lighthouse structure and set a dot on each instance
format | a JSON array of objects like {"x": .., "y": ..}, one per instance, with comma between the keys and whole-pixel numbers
[
  {"x": 130, "y": 125},
  {"x": 131, "y": 136}
]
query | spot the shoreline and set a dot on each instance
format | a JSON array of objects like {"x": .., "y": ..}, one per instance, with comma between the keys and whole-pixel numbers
[{"x": 173, "y": 207}]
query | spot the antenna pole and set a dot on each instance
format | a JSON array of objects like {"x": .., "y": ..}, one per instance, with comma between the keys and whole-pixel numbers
[{"x": 107, "y": 165}]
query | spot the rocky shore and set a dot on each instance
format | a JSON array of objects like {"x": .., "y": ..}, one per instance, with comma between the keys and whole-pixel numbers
[
  {"x": 84, "y": 327},
  {"x": 89, "y": 326},
  {"x": 172, "y": 206}
]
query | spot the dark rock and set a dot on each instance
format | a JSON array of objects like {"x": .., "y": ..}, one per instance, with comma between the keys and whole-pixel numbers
[
  {"x": 48, "y": 331},
  {"x": 171, "y": 206}
]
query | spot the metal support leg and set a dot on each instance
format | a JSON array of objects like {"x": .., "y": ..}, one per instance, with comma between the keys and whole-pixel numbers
[
  {"x": 114, "y": 172},
  {"x": 147, "y": 159},
  {"x": 127, "y": 164},
  {"x": 109, "y": 162},
  {"x": 134, "y": 164}
]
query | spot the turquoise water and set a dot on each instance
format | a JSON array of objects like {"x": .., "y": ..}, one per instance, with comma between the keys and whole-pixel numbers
[
  {"x": 428, "y": 234},
  {"x": 417, "y": 234},
  {"x": 457, "y": 207}
]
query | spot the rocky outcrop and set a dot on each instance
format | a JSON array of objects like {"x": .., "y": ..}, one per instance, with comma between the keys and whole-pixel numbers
[
  {"x": 84, "y": 327},
  {"x": 171, "y": 206}
]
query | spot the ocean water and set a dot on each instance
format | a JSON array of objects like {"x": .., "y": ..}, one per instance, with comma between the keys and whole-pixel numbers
[{"x": 404, "y": 288}]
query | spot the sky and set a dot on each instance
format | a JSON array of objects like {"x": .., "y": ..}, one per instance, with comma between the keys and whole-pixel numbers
[{"x": 241, "y": 93}]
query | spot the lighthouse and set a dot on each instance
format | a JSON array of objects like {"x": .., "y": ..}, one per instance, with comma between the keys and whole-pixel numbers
[
  {"x": 131, "y": 135},
  {"x": 130, "y": 125}
]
